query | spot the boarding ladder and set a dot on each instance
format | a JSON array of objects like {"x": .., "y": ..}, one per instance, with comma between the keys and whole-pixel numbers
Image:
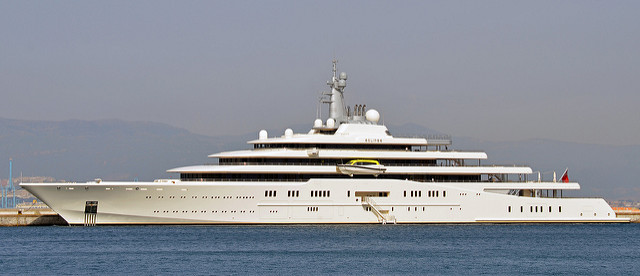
[{"x": 383, "y": 215}]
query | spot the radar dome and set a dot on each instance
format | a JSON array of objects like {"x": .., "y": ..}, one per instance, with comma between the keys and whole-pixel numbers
[
  {"x": 262, "y": 135},
  {"x": 372, "y": 115},
  {"x": 317, "y": 123},
  {"x": 331, "y": 123},
  {"x": 343, "y": 76},
  {"x": 288, "y": 133}
]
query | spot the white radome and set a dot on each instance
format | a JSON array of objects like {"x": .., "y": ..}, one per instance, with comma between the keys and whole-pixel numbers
[
  {"x": 372, "y": 115},
  {"x": 288, "y": 133},
  {"x": 317, "y": 123},
  {"x": 331, "y": 123},
  {"x": 262, "y": 135}
]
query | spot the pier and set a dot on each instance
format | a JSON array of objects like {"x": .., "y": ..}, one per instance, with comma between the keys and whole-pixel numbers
[
  {"x": 628, "y": 212},
  {"x": 32, "y": 217}
]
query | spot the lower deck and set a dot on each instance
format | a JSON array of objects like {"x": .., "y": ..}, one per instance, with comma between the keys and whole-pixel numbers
[{"x": 315, "y": 201}]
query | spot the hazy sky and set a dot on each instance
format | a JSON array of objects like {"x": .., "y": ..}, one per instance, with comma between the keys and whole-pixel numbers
[{"x": 495, "y": 70}]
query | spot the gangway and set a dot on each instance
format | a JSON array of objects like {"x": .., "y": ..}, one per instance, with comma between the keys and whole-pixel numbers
[{"x": 383, "y": 215}]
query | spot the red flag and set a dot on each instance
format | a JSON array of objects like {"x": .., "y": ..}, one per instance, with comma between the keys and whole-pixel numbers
[{"x": 565, "y": 176}]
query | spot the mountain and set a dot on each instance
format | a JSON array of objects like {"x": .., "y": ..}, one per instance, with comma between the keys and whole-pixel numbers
[
  {"x": 78, "y": 150},
  {"x": 110, "y": 149}
]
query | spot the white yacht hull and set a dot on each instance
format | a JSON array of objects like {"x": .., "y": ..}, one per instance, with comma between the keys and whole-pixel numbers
[{"x": 178, "y": 202}]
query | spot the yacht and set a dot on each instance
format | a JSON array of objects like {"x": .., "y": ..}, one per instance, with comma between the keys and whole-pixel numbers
[{"x": 347, "y": 169}]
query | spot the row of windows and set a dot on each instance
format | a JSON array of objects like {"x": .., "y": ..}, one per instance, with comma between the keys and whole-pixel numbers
[
  {"x": 269, "y": 193},
  {"x": 535, "y": 209},
  {"x": 320, "y": 193},
  {"x": 291, "y": 193},
  {"x": 317, "y": 161},
  {"x": 334, "y": 146},
  {"x": 312, "y": 209},
  {"x": 429, "y": 193},
  {"x": 306, "y": 177},
  {"x": 203, "y": 211},
  {"x": 203, "y": 197}
]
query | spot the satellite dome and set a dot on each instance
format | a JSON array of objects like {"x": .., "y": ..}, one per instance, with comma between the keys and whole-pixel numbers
[
  {"x": 372, "y": 115},
  {"x": 288, "y": 133},
  {"x": 331, "y": 123},
  {"x": 262, "y": 135},
  {"x": 317, "y": 123}
]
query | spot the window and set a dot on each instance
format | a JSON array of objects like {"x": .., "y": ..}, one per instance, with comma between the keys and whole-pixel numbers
[
  {"x": 559, "y": 209},
  {"x": 348, "y": 193},
  {"x": 444, "y": 193},
  {"x": 549, "y": 209},
  {"x": 509, "y": 209},
  {"x": 521, "y": 209},
  {"x": 405, "y": 193}
]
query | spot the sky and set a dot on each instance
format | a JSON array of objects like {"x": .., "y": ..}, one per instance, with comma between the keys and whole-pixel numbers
[{"x": 493, "y": 70}]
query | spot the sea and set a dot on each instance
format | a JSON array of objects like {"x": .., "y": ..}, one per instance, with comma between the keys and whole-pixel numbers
[{"x": 461, "y": 249}]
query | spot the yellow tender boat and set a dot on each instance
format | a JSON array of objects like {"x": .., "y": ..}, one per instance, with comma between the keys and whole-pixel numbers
[{"x": 361, "y": 166}]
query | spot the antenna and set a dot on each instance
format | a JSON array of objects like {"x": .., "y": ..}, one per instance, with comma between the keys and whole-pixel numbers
[
  {"x": 13, "y": 189},
  {"x": 335, "y": 62}
]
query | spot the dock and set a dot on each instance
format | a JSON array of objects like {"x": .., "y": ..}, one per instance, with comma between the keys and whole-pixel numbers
[
  {"x": 628, "y": 212},
  {"x": 30, "y": 217}
]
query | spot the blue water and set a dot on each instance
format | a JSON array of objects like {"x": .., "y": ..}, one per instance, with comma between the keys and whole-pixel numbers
[{"x": 594, "y": 249}]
